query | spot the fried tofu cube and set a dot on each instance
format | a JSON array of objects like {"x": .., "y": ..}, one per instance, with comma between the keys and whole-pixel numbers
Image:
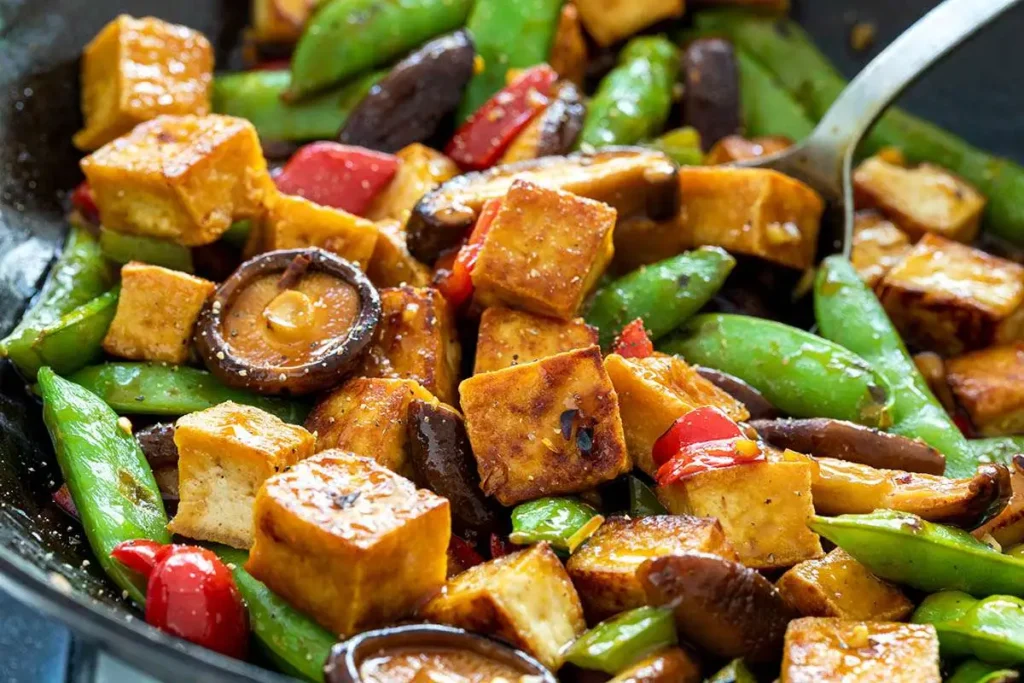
[
  {"x": 525, "y": 598},
  {"x": 568, "y": 55},
  {"x": 280, "y": 21},
  {"x": 763, "y": 508},
  {"x": 349, "y": 542},
  {"x": 156, "y": 313},
  {"x": 641, "y": 241},
  {"x": 752, "y": 211},
  {"x": 416, "y": 339},
  {"x": 420, "y": 170},
  {"x": 508, "y": 337},
  {"x": 878, "y": 245},
  {"x": 545, "y": 250},
  {"x": 293, "y": 222},
  {"x": 950, "y": 298},
  {"x": 989, "y": 384},
  {"x": 391, "y": 264},
  {"x": 839, "y": 586},
  {"x": 225, "y": 453},
  {"x": 733, "y": 148},
  {"x": 604, "y": 568},
  {"x": 181, "y": 178},
  {"x": 137, "y": 69},
  {"x": 834, "y": 650},
  {"x": 609, "y": 21},
  {"x": 921, "y": 200},
  {"x": 368, "y": 417},
  {"x": 654, "y": 392},
  {"x": 545, "y": 428}
]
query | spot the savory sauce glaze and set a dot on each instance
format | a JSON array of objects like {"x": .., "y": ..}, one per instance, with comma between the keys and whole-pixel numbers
[{"x": 438, "y": 665}]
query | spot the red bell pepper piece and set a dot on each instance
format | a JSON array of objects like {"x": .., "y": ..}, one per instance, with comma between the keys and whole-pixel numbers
[
  {"x": 501, "y": 547},
  {"x": 465, "y": 555},
  {"x": 484, "y": 137},
  {"x": 340, "y": 176},
  {"x": 708, "y": 455},
  {"x": 697, "y": 426},
  {"x": 139, "y": 555},
  {"x": 633, "y": 341},
  {"x": 62, "y": 497},
  {"x": 457, "y": 284},
  {"x": 83, "y": 199}
]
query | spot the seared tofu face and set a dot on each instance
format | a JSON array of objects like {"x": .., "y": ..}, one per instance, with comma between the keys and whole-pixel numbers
[
  {"x": 544, "y": 251},
  {"x": 421, "y": 169},
  {"x": 609, "y": 21},
  {"x": 391, "y": 264},
  {"x": 508, "y": 337},
  {"x": 950, "y": 298},
  {"x": 293, "y": 222},
  {"x": 989, "y": 384},
  {"x": 349, "y": 542},
  {"x": 878, "y": 245},
  {"x": 545, "y": 428}
]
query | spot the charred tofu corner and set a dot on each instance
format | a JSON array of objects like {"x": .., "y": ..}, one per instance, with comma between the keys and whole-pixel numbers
[
  {"x": 391, "y": 264},
  {"x": 989, "y": 384},
  {"x": 508, "y": 337},
  {"x": 878, "y": 245}
]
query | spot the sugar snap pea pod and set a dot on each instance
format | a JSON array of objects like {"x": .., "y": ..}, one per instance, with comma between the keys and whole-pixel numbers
[
  {"x": 155, "y": 389},
  {"x": 664, "y": 294},
  {"x": 801, "y": 374},
  {"x": 974, "y": 671},
  {"x": 296, "y": 643},
  {"x": 997, "y": 448},
  {"x": 76, "y": 339},
  {"x": 681, "y": 145},
  {"x": 238, "y": 234},
  {"x": 562, "y": 522},
  {"x": 642, "y": 501},
  {"x": 616, "y": 643},
  {"x": 346, "y": 38},
  {"x": 256, "y": 95},
  {"x": 106, "y": 473},
  {"x": 991, "y": 629},
  {"x": 122, "y": 248},
  {"x": 767, "y": 108},
  {"x": 733, "y": 672},
  {"x": 79, "y": 275},
  {"x": 904, "y": 548},
  {"x": 633, "y": 101},
  {"x": 850, "y": 314}
]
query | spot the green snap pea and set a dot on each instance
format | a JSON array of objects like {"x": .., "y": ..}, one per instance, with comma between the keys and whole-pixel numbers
[
  {"x": 238, "y": 234},
  {"x": 767, "y": 108},
  {"x": 642, "y": 501},
  {"x": 76, "y": 339},
  {"x": 849, "y": 313},
  {"x": 122, "y": 248},
  {"x": 562, "y": 522},
  {"x": 973, "y": 671},
  {"x": 991, "y": 629},
  {"x": 614, "y": 644},
  {"x": 905, "y": 549},
  {"x": 105, "y": 472},
  {"x": 998, "y": 449},
  {"x": 664, "y": 295},
  {"x": 800, "y": 373},
  {"x": 733, "y": 672},
  {"x": 681, "y": 145}
]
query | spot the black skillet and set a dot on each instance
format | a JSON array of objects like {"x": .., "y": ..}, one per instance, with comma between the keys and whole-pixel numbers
[{"x": 44, "y": 560}]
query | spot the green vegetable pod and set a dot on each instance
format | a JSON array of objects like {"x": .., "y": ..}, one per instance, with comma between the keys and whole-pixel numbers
[
  {"x": 973, "y": 671},
  {"x": 997, "y": 449},
  {"x": 642, "y": 501},
  {"x": 614, "y": 644},
  {"x": 664, "y": 295},
  {"x": 105, "y": 472},
  {"x": 800, "y": 373},
  {"x": 681, "y": 145},
  {"x": 76, "y": 339},
  {"x": 733, "y": 672},
  {"x": 991, "y": 629},
  {"x": 122, "y": 248},
  {"x": 767, "y": 108},
  {"x": 562, "y": 522}
]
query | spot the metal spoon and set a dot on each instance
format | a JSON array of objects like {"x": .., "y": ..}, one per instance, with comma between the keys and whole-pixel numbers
[{"x": 825, "y": 158}]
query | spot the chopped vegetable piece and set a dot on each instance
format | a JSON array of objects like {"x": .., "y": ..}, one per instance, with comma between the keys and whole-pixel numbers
[
  {"x": 642, "y": 501},
  {"x": 562, "y": 522},
  {"x": 767, "y": 108},
  {"x": 733, "y": 672},
  {"x": 682, "y": 145},
  {"x": 84, "y": 201},
  {"x": 695, "y": 427},
  {"x": 76, "y": 339},
  {"x": 456, "y": 284},
  {"x": 711, "y": 89},
  {"x": 613, "y": 645},
  {"x": 122, "y": 248},
  {"x": 973, "y": 671},
  {"x": 710, "y": 455},
  {"x": 339, "y": 176},
  {"x": 633, "y": 341},
  {"x": 991, "y": 629}
]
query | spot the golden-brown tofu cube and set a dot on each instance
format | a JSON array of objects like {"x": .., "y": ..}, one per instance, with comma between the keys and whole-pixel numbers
[
  {"x": 763, "y": 508},
  {"x": 837, "y": 651},
  {"x": 420, "y": 170},
  {"x": 156, "y": 313},
  {"x": 950, "y": 298},
  {"x": 569, "y": 50},
  {"x": 368, "y": 417},
  {"x": 137, "y": 69},
  {"x": 293, "y": 222},
  {"x": 734, "y": 148},
  {"x": 544, "y": 251},
  {"x": 640, "y": 241},
  {"x": 839, "y": 586},
  {"x": 752, "y": 211},
  {"x": 989, "y": 384},
  {"x": 525, "y": 598},
  {"x": 508, "y": 337},
  {"x": 349, "y": 542},
  {"x": 280, "y": 21},
  {"x": 181, "y": 178},
  {"x": 225, "y": 453},
  {"x": 604, "y": 568},
  {"x": 416, "y": 339},
  {"x": 878, "y": 245},
  {"x": 609, "y": 21},
  {"x": 391, "y": 264},
  {"x": 545, "y": 428},
  {"x": 925, "y": 199},
  {"x": 654, "y": 392}
]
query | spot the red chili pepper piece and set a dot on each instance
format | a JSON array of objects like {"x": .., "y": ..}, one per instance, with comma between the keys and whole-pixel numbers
[
  {"x": 340, "y": 176},
  {"x": 484, "y": 137},
  {"x": 633, "y": 341},
  {"x": 457, "y": 285},
  {"x": 83, "y": 199},
  {"x": 140, "y": 555},
  {"x": 464, "y": 553},
  {"x": 709, "y": 455},
  {"x": 500, "y": 547},
  {"x": 697, "y": 426}
]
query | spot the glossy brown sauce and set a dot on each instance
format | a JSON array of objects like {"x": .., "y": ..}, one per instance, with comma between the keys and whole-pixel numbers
[{"x": 437, "y": 665}]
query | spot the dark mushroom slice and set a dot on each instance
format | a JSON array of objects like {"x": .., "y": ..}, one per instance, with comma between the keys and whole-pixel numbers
[
  {"x": 631, "y": 179},
  {"x": 711, "y": 90},
  {"x": 288, "y": 322},
  {"x": 157, "y": 443},
  {"x": 428, "y": 652},
  {"x": 720, "y": 605},
  {"x": 826, "y": 438},
  {"x": 555, "y": 131},
  {"x": 408, "y": 104},
  {"x": 757, "y": 405}
]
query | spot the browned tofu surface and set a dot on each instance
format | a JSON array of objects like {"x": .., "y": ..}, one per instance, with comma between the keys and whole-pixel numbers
[
  {"x": 508, "y": 337},
  {"x": 950, "y": 298},
  {"x": 640, "y": 241},
  {"x": 545, "y": 428},
  {"x": 839, "y": 586},
  {"x": 420, "y": 170},
  {"x": 878, "y": 245},
  {"x": 569, "y": 51},
  {"x": 416, "y": 339},
  {"x": 293, "y": 222},
  {"x": 989, "y": 384},
  {"x": 734, "y": 148},
  {"x": 609, "y": 21},
  {"x": 349, "y": 542},
  {"x": 156, "y": 313},
  {"x": 525, "y": 598},
  {"x": 544, "y": 251},
  {"x": 837, "y": 651},
  {"x": 391, "y": 264},
  {"x": 604, "y": 568},
  {"x": 137, "y": 69}
]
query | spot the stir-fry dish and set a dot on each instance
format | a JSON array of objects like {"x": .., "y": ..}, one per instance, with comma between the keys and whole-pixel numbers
[{"x": 446, "y": 342}]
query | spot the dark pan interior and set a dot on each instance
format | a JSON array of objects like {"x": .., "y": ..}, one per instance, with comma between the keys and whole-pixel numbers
[{"x": 43, "y": 557}]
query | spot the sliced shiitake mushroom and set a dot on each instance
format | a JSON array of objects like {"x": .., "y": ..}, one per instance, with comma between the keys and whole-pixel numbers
[
  {"x": 552, "y": 133},
  {"x": 631, "y": 179},
  {"x": 428, "y": 652},
  {"x": 408, "y": 104},
  {"x": 757, "y": 405},
  {"x": 157, "y": 443},
  {"x": 711, "y": 90},
  {"x": 288, "y": 322}
]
